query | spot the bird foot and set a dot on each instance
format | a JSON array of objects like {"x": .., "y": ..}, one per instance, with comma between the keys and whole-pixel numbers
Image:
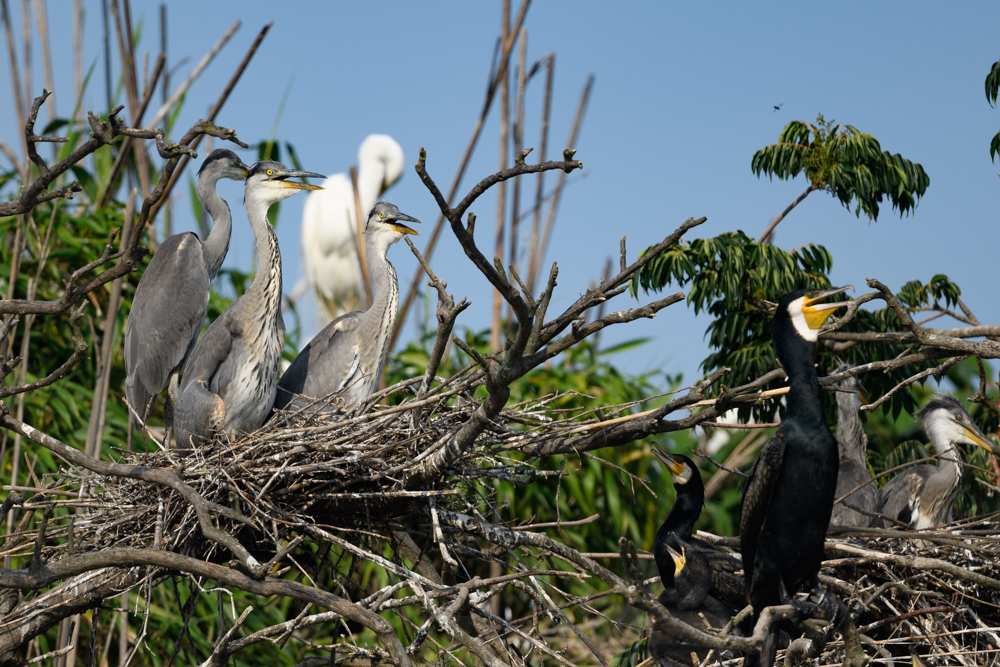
[
  {"x": 827, "y": 606},
  {"x": 803, "y": 608},
  {"x": 833, "y": 608}
]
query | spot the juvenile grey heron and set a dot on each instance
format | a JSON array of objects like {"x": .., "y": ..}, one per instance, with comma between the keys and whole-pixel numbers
[
  {"x": 171, "y": 299},
  {"x": 348, "y": 355},
  {"x": 229, "y": 379},
  {"x": 853, "y": 473},
  {"x": 789, "y": 496},
  {"x": 922, "y": 495},
  {"x": 330, "y": 230}
]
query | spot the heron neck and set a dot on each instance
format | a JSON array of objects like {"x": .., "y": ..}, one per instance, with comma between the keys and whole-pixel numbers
[
  {"x": 385, "y": 306},
  {"x": 266, "y": 285},
  {"x": 850, "y": 431},
  {"x": 946, "y": 450},
  {"x": 216, "y": 245}
]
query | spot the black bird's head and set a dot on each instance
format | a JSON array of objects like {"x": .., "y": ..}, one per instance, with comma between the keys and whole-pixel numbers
[
  {"x": 799, "y": 318},
  {"x": 682, "y": 469}
]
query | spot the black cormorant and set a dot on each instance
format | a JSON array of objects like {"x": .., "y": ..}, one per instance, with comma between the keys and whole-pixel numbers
[
  {"x": 699, "y": 580},
  {"x": 853, "y": 445},
  {"x": 789, "y": 496},
  {"x": 922, "y": 496}
]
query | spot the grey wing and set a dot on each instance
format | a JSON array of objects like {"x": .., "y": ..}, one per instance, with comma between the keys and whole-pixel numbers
[
  {"x": 899, "y": 499},
  {"x": 209, "y": 353},
  {"x": 757, "y": 499},
  {"x": 325, "y": 364},
  {"x": 166, "y": 316},
  {"x": 852, "y": 475},
  {"x": 200, "y": 411}
]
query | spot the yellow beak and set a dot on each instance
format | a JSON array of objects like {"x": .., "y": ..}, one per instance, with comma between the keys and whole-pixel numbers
[{"x": 816, "y": 314}]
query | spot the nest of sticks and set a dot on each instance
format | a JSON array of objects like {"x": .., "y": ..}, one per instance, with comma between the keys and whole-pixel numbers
[
  {"x": 333, "y": 471},
  {"x": 933, "y": 595},
  {"x": 333, "y": 479}
]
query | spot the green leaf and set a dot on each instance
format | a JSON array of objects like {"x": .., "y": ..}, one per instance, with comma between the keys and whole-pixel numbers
[
  {"x": 993, "y": 84},
  {"x": 86, "y": 181}
]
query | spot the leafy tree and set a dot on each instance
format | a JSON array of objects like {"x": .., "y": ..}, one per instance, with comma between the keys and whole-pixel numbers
[
  {"x": 736, "y": 279},
  {"x": 848, "y": 164}
]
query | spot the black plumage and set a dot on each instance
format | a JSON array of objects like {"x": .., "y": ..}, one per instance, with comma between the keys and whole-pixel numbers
[
  {"x": 789, "y": 496},
  {"x": 701, "y": 582}
]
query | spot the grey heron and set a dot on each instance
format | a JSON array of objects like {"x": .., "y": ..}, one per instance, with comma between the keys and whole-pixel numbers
[
  {"x": 329, "y": 233},
  {"x": 789, "y": 496},
  {"x": 171, "y": 300},
  {"x": 348, "y": 355},
  {"x": 853, "y": 472},
  {"x": 922, "y": 495},
  {"x": 229, "y": 379}
]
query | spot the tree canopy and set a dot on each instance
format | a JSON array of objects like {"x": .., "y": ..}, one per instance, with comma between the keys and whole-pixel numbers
[{"x": 847, "y": 163}]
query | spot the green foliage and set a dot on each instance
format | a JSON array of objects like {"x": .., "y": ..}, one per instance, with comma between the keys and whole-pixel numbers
[
  {"x": 992, "y": 88},
  {"x": 77, "y": 237},
  {"x": 731, "y": 277},
  {"x": 633, "y": 656},
  {"x": 848, "y": 164}
]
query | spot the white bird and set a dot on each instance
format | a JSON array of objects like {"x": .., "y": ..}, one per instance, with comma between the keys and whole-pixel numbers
[{"x": 330, "y": 230}]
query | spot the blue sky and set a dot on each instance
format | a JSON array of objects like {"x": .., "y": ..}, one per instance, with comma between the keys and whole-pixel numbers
[{"x": 684, "y": 96}]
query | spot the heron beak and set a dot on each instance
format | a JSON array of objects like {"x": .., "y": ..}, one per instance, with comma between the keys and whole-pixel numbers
[
  {"x": 977, "y": 436},
  {"x": 816, "y": 313},
  {"x": 295, "y": 185},
  {"x": 679, "y": 559},
  {"x": 400, "y": 227},
  {"x": 675, "y": 466}
]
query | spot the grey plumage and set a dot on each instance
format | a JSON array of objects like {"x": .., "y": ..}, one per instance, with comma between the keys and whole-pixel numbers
[
  {"x": 348, "y": 355},
  {"x": 922, "y": 495},
  {"x": 171, "y": 300},
  {"x": 229, "y": 379},
  {"x": 853, "y": 471}
]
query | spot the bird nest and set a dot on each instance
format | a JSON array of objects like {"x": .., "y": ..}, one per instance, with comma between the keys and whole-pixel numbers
[
  {"x": 344, "y": 481},
  {"x": 933, "y": 595},
  {"x": 332, "y": 472}
]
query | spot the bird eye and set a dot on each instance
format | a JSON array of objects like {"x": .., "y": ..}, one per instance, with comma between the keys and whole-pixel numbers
[
  {"x": 809, "y": 295},
  {"x": 270, "y": 172},
  {"x": 381, "y": 214}
]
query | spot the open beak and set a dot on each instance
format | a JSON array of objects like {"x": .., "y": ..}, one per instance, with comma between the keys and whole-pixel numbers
[
  {"x": 295, "y": 185},
  {"x": 396, "y": 223},
  {"x": 817, "y": 313},
  {"x": 679, "y": 559},
  {"x": 675, "y": 466}
]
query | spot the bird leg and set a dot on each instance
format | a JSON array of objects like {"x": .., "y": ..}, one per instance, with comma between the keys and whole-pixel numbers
[
  {"x": 827, "y": 606},
  {"x": 833, "y": 608},
  {"x": 173, "y": 389},
  {"x": 803, "y": 608}
]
